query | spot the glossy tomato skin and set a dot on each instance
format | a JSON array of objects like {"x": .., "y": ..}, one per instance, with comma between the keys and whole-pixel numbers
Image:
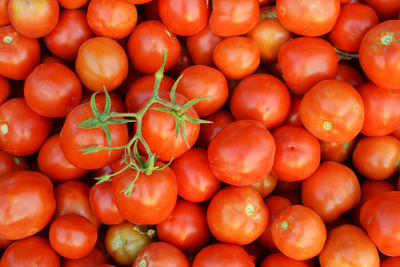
[
  {"x": 379, "y": 217},
  {"x": 146, "y": 44},
  {"x": 4, "y": 18},
  {"x": 266, "y": 186},
  {"x": 379, "y": 54},
  {"x": 305, "y": 61},
  {"x": 386, "y": 9},
  {"x": 22, "y": 130},
  {"x": 161, "y": 254},
  {"x": 279, "y": 259},
  {"x": 219, "y": 120},
  {"x": 349, "y": 74},
  {"x": 28, "y": 204},
  {"x": 331, "y": 151},
  {"x": 71, "y": 31},
  {"x": 10, "y": 163},
  {"x": 332, "y": 190},
  {"x": 152, "y": 199},
  {"x": 242, "y": 153},
  {"x": 19, "y": 55},
  {"x": 223, "y": 255},
  {"x": 293, "y": 117},
  {"x": 72, "y": 4},
  {"x": 32, "y": 249},
  {"x": 237, "y": 215},
  {"x": 94, "y": 259},
  {"x": 308, "y": 18},
  {"x": 332, "y": 111}
]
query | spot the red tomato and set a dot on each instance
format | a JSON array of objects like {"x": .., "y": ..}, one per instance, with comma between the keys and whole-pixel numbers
[
  {"x": 161, "y": 254},
  {"x": 331, "y": 151},
  {"x": 71, "y": 31},
  {"x": 331, "y": 191},
  {"x": 184, "y": 62},
  {"x": 115, "y": 19},
  {"x": 199, "y": 81},
  {"x": 27, "y": 204},
  {"x": 242, "y": 153},
  {"x": 380, "y": 53},
  {"x": 236, "y": 57},
  {"x": 139, "y": 2},
  {"x": 396, "y": 132},
  {"x": 237, "y": 215},
  {"x": 152, "y": 199},
  {"x": 261, "y": 97},
  {"x": 72, "y": 4},
  {"x": 391, "y": 262},
  {"x": 184, "y": 17},
  {"x": 298, "y": 59},
  {"x": 196, "y": 182},
  {"x": 349, "y": 75},
  {"x": 332, "y": 111},
  {"x": 219, "y": 120},
  {"x": 377, "y": 157},
  {"x": 5, "y": 89},
  {"x": 310, "y": 17},
  {"x": 72, "y": 236},
  {"x": 22, "y": 131},
  {"x": 32, "y": 250},
  {"x": 95, "y": 258},
  {"x": 293, "y": 117},
  {"x": 299, "y": 233},
  {"x": 266, "y": 186},
  {"x": 279, "y": 259},
  {"x": 101, "y": 62},
  {"x": 10, "y": 163},
  {"x": 386, "y": 9},
  {"x": 19, "y": 55},
  {"x": 223, "y": 255},
  {"x": 4, "y": 18},
  {"x": 231, "y": 18},
  {"x": 146, "y": 44}
]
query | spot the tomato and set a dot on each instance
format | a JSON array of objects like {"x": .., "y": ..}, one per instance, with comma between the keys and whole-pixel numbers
[
  {"x": 331, "y": 151},
  {"x": 124, "y": 241},
  {"x": 332, "y": 190},
  {"x": 379, "y": 216},
  {"x": 10, "y": 163},
  {"x": 115, "y": 19},
  {"x": 309, "y": 17},
  {"x": 379, "y": 54},
  {"x": 5, "y": 89},
  {"x": 350, "y": 75},
  {"x": 4, "y": 18},
  {"x": 298, "y": 153},
  {"x": 275, "y": 205},
  {"x": 101, "y": 62},
  {"x": 201, "y": 46},
  {"x": 72, "y": 4},
  {"x": 223, "y": 255},
  {"x": 185, "y": 228},
  {"x": 269, "y": 35},
  {"x": 5, "y": 243},
  {"x": 28, "y": 251},
  {"x": 152, "y": 199},
  {"x": 242, "y": 153},
  {"x": 19, "y": 55},
  {"x": 72, "y": 197},
  {"x": 146, "y": 44},
  {"x": 261, "y": 97},
  {"x": 390, "y": 262},
  {"x": 196, "y": 182},
  {"x": 73, "y": 139},
  {"x": 71, "y": 31},
  {"x": 299, "y": 233},
  {"x": 382, "y": 114},
  {"x": 332, "y": 111},
  {"x": 52, "y": 162},
  {"x": 184, "y": 17},
  {"x": 199, "y": 81},
  {"x": 27, "y": 204},
  {"x": 377, "y": 157},
  {"x": 231, "y": 18},
  {"x": 293, "y": 117},
  {"x": 139, "y": 2},
  {"x": 354, "y": 21},
  {"x": 297, "y": 59},
  {"x": 396, "y": 132},
  {"x": 95, "y": 258},
  {"x": 386, "y": 9},
  {"x": 279, "y": 259},
  {"x": 22, "y": 131},
  {"x": 237, "y": 215},
  {"x": 161, "y": 254},
  {"x": 72, "y": 236},
  {"x": 236, "y": 57},
  {"x": 184, "y": 62},
  {"x": 266, "y": 186}
]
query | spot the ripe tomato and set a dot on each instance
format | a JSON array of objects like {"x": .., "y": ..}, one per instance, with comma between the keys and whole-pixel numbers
[
  {"x": 10, "y": 163},
  {"x": 72, "y": 236},
  {"x": 242, "y": 153},
  {"x": 380, "y": 53},
  {"x": 332, "y": 111},
  {"x": 236, "y": 57},
  {"x": 161, "y": 254},
  {"x": 231, "y": 18},
  {"x": 348, "y": 74},
  {"x": 19, "y": 55},
  {"x": 386, "y": 9},
  {"x": 331, "y": 151},
  {"x": 331, "y": 191},
  {"x": 4, "y": 18},
  {"x": 72, "y": 4},
  {"x": 266, "y": 186},
  {"x": 27, "y": 204},
  {"x": 299, "y": 233},
  {"x": 293, "y": 117},
  {"x": 391, "y": 262},
  {"x": 5, "y": 89},
  {"x": 309, "y": 17},
  {"x": 237, "y": 215},
  {"x": 28, "y": 251},
  {"x": 223, "y": 255},
  {"x": 297, "y": 59},
  {"x": 71, "y": 31},
  {"x": 94, "y": 259},
  {"x": 279, "y": 259}
]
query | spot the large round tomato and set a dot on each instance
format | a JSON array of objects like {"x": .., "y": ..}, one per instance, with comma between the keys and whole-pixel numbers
[
  {"x": 94, "y": 259},
  {"x": 4, "y": 18},
  {"x": 161, "y": 254},
  {"x": 386, "y": 9},
  {"x": 349, "y": 74},
  {"x": 337, "y": 152}
]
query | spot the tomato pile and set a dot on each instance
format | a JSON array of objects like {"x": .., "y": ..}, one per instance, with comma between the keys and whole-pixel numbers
[{"x": 231, "y": 133}]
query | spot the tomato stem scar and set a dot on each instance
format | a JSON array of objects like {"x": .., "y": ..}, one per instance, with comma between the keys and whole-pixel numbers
[
  {"x": 4, "y": 128},
  {"x": 285, "y": 225},
  {"x": 7, "y": 39},
  {"x": 250, "y": 210},
  {"x": 327, "y": 125},
  {"x": 387, "y": 39}
]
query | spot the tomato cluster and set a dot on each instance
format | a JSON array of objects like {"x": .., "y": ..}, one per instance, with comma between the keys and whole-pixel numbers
[{"x": 272, "y": 138}]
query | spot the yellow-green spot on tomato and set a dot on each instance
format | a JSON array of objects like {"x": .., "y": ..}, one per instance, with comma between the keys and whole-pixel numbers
[
  {"x": 7, "y": 39},
  {"x": 16, "y": 161},
  {"x": 119, "y": 243},
  {"x": 387, "y": 39},
  {"x": 4, "y": 128},
  {"x": 327, "y": 125},
  {"x": 143, "y": 263},
  {"x": 285, "y": 225},
  {"x": 250, "y": 210}
]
